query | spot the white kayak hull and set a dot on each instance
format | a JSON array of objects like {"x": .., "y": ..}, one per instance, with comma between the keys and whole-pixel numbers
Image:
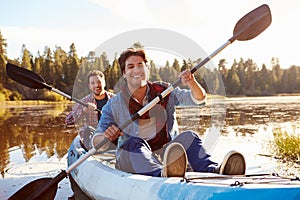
[{"x": 98, "y": 180}]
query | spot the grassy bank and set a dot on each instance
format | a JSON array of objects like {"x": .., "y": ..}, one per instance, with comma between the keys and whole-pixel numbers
[
  {"x": 31, "y": 102},
  {"x": 287, "y": 145}
]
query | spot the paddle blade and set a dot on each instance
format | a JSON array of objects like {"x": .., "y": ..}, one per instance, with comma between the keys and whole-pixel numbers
[
  {"x": 25, "y": 77},
  {"x": 33, "y": 187},
  {"x": 252, "y": 24}
]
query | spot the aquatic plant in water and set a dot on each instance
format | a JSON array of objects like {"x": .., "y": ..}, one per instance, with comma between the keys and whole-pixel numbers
[{"x": 287, "y": 144}]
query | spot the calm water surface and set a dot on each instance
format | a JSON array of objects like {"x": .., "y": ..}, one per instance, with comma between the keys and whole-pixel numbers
[
  {"x": 33, "y": 133},
  {"x": 36, "y": 133}
]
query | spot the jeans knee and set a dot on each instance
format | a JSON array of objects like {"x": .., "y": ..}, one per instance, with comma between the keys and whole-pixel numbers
[
  {"x": 188, "y": 139},
  {"x": 134, "y": 143},
  {"x": 187, "y": 135}
]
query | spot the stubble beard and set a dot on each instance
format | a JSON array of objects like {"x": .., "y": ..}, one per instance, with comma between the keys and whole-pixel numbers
[{"x": 98, "y": 94}]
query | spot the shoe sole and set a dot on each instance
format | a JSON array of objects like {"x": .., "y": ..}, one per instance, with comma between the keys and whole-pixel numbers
[
  {"x": 235, "y": 164},
  {"x": 175, "y": 161}
]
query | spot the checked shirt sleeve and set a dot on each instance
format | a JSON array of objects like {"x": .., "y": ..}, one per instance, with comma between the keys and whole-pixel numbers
[{"x": 77, "y": 112}]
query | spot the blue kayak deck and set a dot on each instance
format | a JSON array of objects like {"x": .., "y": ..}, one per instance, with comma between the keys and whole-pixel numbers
[{"x": 195, "y": 185}]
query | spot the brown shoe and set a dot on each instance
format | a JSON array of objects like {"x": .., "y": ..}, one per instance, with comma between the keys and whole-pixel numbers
[
  {"x": 233, "y": 164},
  {"x": 175, "y": 161}
]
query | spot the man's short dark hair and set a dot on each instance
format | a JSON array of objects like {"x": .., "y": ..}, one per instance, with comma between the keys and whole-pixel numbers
[
  {"x": 130, "y": 52},
  {"x": 95, "y": 73}
]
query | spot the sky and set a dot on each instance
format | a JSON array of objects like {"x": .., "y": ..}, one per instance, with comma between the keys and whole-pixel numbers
[{"x": 209, "y": 24}]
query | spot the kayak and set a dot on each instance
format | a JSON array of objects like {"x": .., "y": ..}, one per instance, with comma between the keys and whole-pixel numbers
[{"x": 98, "y": 179}]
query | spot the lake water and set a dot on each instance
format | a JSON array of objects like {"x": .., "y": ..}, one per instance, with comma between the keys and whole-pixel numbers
[{"x": 34, "y": 137}]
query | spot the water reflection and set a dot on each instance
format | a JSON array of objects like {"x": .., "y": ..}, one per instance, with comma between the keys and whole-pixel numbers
[
  {"x": 244, "y": 115},
  {"x": 33, "y": 130},
  {"x": 37, "y": 132}
]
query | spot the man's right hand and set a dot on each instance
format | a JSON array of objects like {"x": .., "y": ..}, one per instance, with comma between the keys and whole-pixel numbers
[
  {"x": 112, "y": 133},
  {"x": 90, "y": 106},
  {"x": 97, "y": 139}
]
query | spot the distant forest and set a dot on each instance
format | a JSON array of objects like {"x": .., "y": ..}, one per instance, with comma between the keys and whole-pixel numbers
[{"x": 65, "y": 70}]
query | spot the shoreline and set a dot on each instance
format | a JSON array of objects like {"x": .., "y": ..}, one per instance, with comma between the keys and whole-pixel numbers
[
  {"x": 33, "y": 102},
  {"x": 42, "y": 102}
]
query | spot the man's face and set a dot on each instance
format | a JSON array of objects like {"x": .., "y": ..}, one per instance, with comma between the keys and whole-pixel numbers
[
  {"x": 96, "y": 84},
  {"x": 136, "y": 71}
]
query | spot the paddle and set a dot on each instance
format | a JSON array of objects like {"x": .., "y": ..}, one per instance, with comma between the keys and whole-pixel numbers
[
  {"x": 248, "y": 27},
  {"x": 35, "y": 81}
]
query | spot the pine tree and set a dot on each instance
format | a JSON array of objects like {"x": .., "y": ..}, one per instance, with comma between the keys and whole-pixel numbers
[
  {"x": 240, "y": 70},
  {"x": 223, "y": 71},
  {"x": 26, "y": 58},
  {"x": 185, "y": 66},
  {"x": 292, "y": 78},
  {"x": 154, "y": 75},
  {"x": 176, "y": 65},
  {"x": 71, "y": 68},
  {"x": 47, "y": 69},
  {"x": 262, "y": 80},
  {"x": 60, "y": 57},
  {"x": 137, "y": 45},
  {"x": 3, "y": 59},
  {"x": 250, "y": 69},
  {"x": 114, "y": 75},
  {"x": 276, "y": 75},
  {"x": 233, "y": 82},
  {"x": 105, "y": 60},
  {"x": 3, "y": 45}
]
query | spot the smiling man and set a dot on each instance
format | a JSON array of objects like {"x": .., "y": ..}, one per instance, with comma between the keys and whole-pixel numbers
[
  {"x": 155, "y": 134},
  {"x": 95, "y": 100}
]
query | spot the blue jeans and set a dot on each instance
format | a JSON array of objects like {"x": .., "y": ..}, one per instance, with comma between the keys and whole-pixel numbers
[{"x": 135, "y": 156}]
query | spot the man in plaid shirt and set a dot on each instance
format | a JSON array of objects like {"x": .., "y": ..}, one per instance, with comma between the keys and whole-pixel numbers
[{"x": 87, "y": 117}]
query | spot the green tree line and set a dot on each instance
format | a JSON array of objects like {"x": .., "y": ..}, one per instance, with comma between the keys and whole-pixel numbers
[{"x": 65, "y": 70}]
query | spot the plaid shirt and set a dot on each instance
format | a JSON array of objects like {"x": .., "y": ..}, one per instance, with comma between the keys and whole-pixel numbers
[
  {"x": 115, "y": 112},
  {"x": 87, "y": 118}
]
